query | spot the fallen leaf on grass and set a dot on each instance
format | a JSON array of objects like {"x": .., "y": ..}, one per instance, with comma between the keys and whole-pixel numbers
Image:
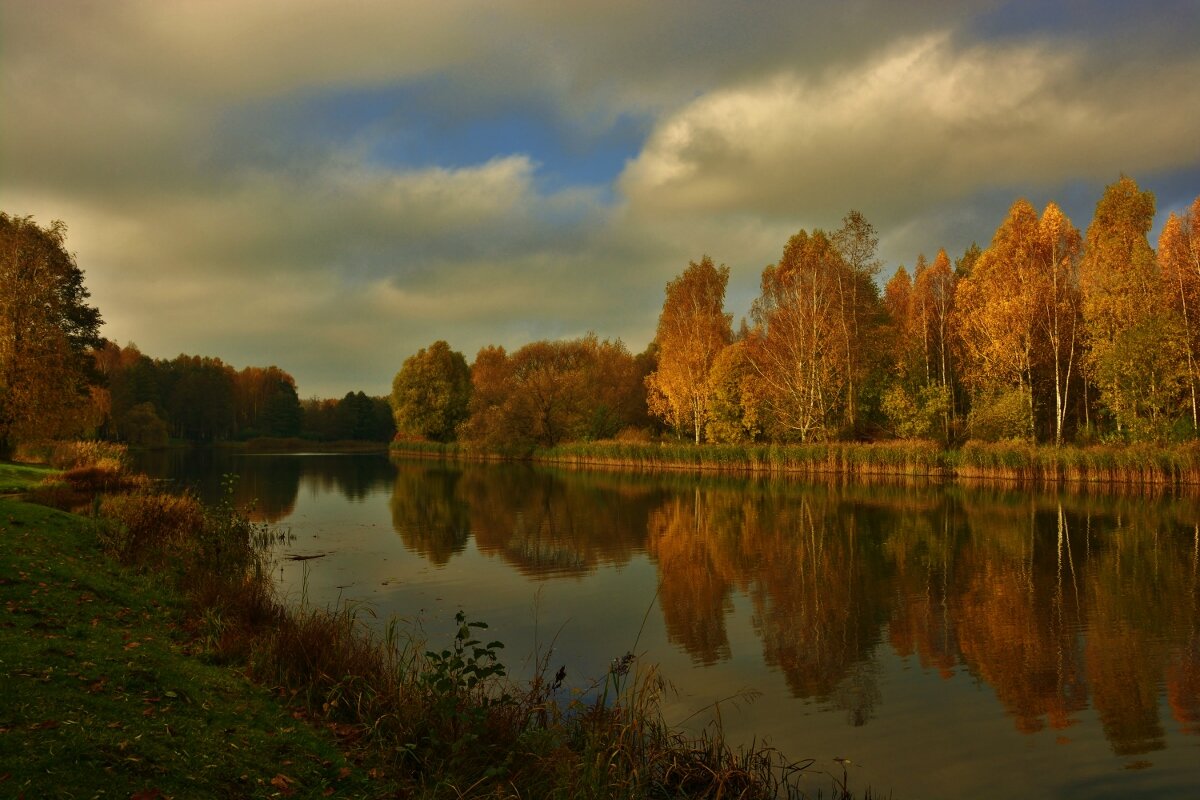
[
  {"x": 146, "y": 794},
  {"x": 284, "y": 784}
]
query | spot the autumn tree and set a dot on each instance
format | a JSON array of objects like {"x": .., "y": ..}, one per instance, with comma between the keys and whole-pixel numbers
[
  {"x": 796, "y": 347},
  {"x": 1135, "y": 352},
  {"x": 997, "y": 318},
  {"x": 550, "y": 392},
  {"x": 491, "y": 374},
  {"x": 1018, "y": 318},
  {"x": 46, "y": 331},
  {"x": 692, "y": 330},
  {"x": 1059, "y": 313},
  {"x": 900, "y": 337},
  {"x": 1179, "y": 262},
  {"x": 618, "y": 381},
  {"x": 431, "y": 392},
  {"x": 934, "y": 293}
]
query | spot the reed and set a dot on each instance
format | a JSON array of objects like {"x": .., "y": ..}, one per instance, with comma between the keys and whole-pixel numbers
[
  {"x": 1015, "y": 461},
  {"x": 1136, "y": 465},
  {"x": 907, "y": 458}
]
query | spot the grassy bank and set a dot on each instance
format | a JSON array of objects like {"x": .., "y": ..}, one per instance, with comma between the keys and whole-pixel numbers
[
  {"x": 152, "y": 656},
  {"x": 19, "y": 477},
  {"x": 104, "y": 696},
  {"x": 1019, "y": 462}
]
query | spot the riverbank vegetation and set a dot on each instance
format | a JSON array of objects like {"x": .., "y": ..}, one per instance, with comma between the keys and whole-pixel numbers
[
  {"x": 133, "y": 626},
  {"x": 1148, "y": 465}
]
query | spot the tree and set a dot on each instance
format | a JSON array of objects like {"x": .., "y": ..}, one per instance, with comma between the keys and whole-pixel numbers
[
  {"x": 281, "y": 414},
  {"x": 735, "y": 405},
  {"x": 551, "y": 392},
  {"x": 796, "y": 348},
  {"x": 692, "y": 330},
  {"x": 1019, "y": 312},
  {"x": 431, "y": 392},
  {"x": 200, "y": 398},
  {"x": 1122, "y": 312},
  {"x": 266, "y": 402},
  {"x": 998, "y": 306},
  {"x": 903, "y": 336},
  {"x": 1059, "y": 311},
  {"x": 46, "y": 331},
  {"x": 1179, "y": 261},
  {"x": 858, "y": 301}
]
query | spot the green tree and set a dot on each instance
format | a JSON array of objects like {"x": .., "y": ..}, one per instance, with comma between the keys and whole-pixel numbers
[
  {"x": 144, "y": 428},
  {"x": 431, "y": 393},
  {"x": 1123, "y": 312},
  {"x": 200, "y": 398},
  {"x": 735, "y": 405},
  {"x": 46, "y": 331},
  {"x": 859, "y": 304},
  {"x": 281, "y": 415}
]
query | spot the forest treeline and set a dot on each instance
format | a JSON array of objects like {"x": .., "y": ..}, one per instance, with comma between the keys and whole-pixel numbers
[
  {"x": 59, "y": 378},
  {"x": 145, "y": 402},
  {"x": 1047, "y": 335}
]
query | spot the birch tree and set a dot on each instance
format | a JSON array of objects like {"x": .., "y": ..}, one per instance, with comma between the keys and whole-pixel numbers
[{"x": 796, "y": 347}]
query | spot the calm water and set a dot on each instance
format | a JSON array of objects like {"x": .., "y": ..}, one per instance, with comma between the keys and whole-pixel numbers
[{"x": 951, "y": 643}]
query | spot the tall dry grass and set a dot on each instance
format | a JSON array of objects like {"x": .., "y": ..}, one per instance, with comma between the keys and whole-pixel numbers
[{"x": 1124, "y": 465}]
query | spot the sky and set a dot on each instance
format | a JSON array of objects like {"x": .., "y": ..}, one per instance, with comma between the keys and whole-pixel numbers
[{"x": 328, "y": 186}]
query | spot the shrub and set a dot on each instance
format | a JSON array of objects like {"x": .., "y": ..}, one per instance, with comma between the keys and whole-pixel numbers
[
  {"x": 149, "y": 526},
  {"x": 1003, "y": 417},
  {"x": 71, "y": 455}
]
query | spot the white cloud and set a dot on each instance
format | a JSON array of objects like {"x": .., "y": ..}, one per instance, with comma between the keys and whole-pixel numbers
[{"x": 928, "y": 121}]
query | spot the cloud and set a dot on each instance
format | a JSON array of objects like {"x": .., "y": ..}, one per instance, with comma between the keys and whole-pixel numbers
[
  {"x": 236, "y": 183},
  {"x": 930, "y": 120}
]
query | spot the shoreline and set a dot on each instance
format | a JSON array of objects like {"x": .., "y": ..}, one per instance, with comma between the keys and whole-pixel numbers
[{"x": 1022, "y": 465}]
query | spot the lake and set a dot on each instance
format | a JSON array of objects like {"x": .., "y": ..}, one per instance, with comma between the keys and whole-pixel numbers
[{"x": 949, "y": 642}]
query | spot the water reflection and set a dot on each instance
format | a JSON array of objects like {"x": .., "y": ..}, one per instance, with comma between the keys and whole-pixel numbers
[
  {"x": 1078, "y": 614},
  {"x": 266, "y": 485},
  {"x": 1059, "y": 603}
]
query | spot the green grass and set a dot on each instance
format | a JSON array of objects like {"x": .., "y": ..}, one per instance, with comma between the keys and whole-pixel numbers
[
  {"x": 103, "y": 696},
  {"x": 19, "y": 477}
]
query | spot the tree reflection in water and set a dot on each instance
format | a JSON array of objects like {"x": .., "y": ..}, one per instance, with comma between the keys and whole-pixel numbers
[{"x": 1058, "y": 602}]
